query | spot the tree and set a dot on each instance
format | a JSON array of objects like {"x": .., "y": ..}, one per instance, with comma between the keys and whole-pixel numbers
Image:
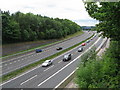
[
  {"x": 108, "y": 15},
  {"x": 29, "y": 27},
  {"x": 10, "y": 30}
]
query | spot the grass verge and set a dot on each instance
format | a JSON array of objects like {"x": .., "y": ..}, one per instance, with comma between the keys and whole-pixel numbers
[
  {"x": 43, "y": 46},
  {"x": 30, "y": 66}
]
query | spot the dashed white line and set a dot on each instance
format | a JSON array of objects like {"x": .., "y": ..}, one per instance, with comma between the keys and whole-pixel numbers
[
  {"x": 10, "y": 63},
  {"x": 18, "y": 57},
  {"x": 28, "y": 80},
  {"x": 5, "y": 64},
  {"x": 31, "y": 70},
  {"x": 29, "y": 56},
  {"x": 68, "y": 64},
  {"x": 60, "y": 61},
  {"x": 48, "y": 68}
]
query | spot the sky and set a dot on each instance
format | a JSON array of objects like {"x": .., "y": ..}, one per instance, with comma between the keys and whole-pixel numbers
[{"x": 65, "y": 9}]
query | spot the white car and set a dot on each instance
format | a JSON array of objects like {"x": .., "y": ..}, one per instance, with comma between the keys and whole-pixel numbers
[{"x": 47, "y": 63}]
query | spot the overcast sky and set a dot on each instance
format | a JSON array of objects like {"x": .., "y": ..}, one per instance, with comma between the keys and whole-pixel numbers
[{"x": 70, "y": 9}]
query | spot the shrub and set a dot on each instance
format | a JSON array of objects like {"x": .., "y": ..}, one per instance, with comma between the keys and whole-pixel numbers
[{"x": 100, "y": 73}]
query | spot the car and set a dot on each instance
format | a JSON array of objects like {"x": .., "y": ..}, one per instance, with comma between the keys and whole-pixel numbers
[
  {"x": 58, "y": 48},
  {"x": 87, "y": 41},
  {"x": 67, "y": 57},
  {"x": 80, "y": 49},
  {"x": 38, "y": 50},
  {"x": 83, "y": 44},
  {"x": 47, "y": 63}
]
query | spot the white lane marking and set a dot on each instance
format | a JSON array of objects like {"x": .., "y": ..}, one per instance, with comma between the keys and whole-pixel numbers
[
  {"x": 5, "y": 64},
  {"x": 20, "y": 75},
  {"x": 14, "y": 61},
  {"x": 17, "y": 58},
  {"x": 48, "y": 68},
  {"x": 23, "y": 66},
  {"x": 101, "y": 44},
  {"x": 67, "y": 64},
  {"x": 28, "y": 56},
  {"x": 65, "y": 78},
  {"x": 25, "y": 55},
  {"x": 34, "y": 68},
  {"x": 66, "y": 52},
  {"x": 10, "y": 63},
  {"x": 60, "y": 61},
  {"x": 28, "y": 80}
]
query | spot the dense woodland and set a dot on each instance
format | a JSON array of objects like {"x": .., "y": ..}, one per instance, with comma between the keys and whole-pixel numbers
[
  {"x": 20, "y": 27},
  {"x": 103, "y": 72}
]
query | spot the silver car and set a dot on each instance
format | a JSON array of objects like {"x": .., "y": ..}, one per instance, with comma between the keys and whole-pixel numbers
[
  {"x": 67, "y": 57},
  {"x": 47, "y": 63},
  {"x": 80, "y": 49}
]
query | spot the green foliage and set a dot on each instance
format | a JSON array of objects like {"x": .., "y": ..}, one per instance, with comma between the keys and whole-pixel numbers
[
  {"x": 28, "y": 67},
  {"x": 20, "y": 27},
  {"x": 88, "y": 55},
  {"x": 104, "y": 72},
  {"x": 100, "y": 73},
  {"x": 108, "y": 15}
]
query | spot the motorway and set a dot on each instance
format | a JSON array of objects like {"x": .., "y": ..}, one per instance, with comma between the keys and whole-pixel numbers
[
  {"x": 12, "y": 64},
  {"x": 50, "y": 77}
]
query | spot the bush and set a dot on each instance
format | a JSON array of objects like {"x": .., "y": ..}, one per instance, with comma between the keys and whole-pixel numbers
[{"x": 100, "y": 73}]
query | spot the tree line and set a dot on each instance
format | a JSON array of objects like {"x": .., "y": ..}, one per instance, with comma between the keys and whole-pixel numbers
[
  {"x": 20, "y": 27},
  {"x": 103, "y": 72}
]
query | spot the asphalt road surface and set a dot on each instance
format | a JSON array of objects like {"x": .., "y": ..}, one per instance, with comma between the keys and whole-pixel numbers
[
  {"x": 10, "y": 65},
  {"x": 50, "y": 77}
]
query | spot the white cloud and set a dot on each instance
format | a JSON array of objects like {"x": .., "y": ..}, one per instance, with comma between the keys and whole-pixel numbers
[{"x": 70, "y": 9}]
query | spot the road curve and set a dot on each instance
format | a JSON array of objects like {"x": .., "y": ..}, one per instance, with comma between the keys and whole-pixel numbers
[
  {"x": 50, "y": 77},
  {"x": 21, "y": 61}
]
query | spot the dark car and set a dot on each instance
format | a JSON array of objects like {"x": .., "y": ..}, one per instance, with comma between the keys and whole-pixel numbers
[
  {"x": 38, "y": 50},
  {"x": 88, "y": 41},
  {"x": 80, "y": 49},
  {"x": 58, "y": 48},
  {"x": 67, "y": 57}
]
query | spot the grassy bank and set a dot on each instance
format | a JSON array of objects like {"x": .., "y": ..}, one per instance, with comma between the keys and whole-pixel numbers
[
  {"x": 43, "y": 46},
  {"x": 95, "y": 72},
  {"x": 28, "y": 67}
]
